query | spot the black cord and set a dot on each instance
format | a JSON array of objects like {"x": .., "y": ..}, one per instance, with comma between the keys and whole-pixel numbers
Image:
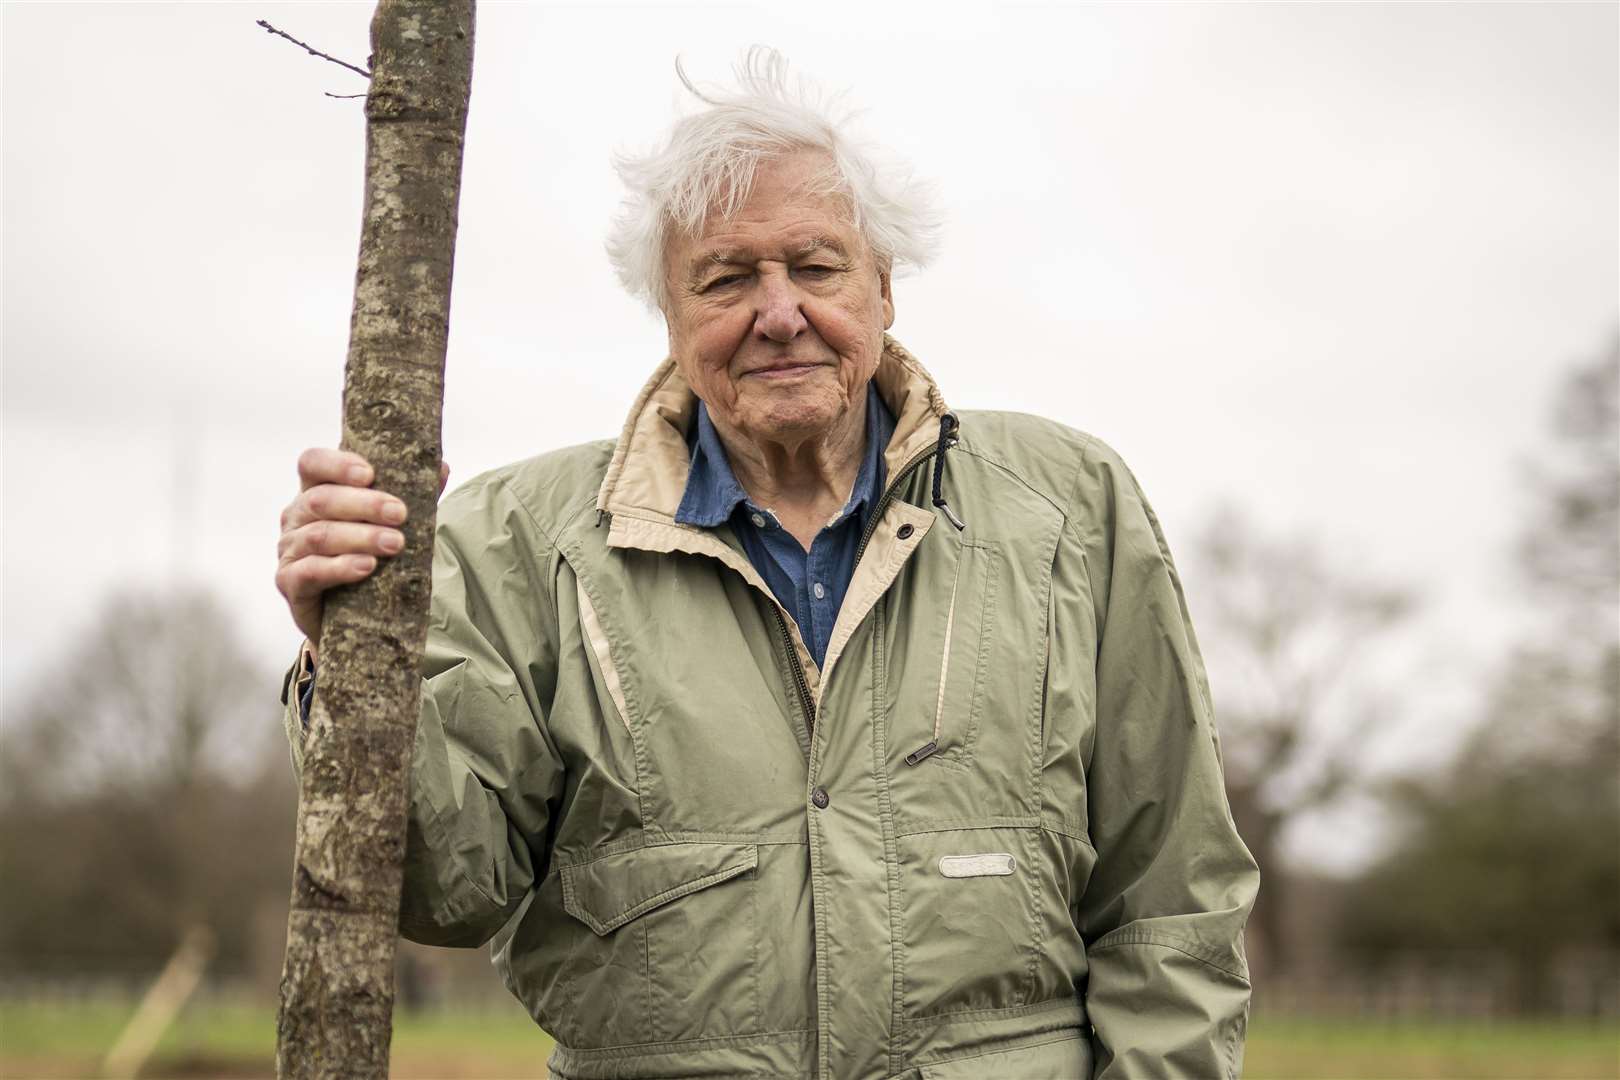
[{"x": 948, "y": 427}]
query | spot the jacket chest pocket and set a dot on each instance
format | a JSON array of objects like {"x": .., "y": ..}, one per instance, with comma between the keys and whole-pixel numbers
[
  {"x": 965, "y": 657},
  {"x": 944, "y": 725},
  {"x": 663, "y": 944}
]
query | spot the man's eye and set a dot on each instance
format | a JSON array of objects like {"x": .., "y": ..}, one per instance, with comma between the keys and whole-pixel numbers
[
  {"x": 818, "y": 271},
  {"x": 722, "y": 281}
]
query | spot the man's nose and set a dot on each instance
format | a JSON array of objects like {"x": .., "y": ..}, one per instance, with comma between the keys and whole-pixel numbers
[{"x": 778, "y": 316}]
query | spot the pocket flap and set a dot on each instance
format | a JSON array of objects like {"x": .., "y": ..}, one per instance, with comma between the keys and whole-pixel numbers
[{"x": 606, "y": 893}]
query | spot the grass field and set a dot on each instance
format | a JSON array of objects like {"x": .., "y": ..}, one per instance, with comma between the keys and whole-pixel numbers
[{"x": 212, "y": 1040}]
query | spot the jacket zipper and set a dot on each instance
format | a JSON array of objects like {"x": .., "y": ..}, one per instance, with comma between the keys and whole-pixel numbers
[
  {"x": 872, "y": 518},
  {"x": 799, "y": 679}
]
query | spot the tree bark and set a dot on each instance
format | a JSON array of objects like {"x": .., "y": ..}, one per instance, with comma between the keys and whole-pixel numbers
[{"x": 337, "y": 986}]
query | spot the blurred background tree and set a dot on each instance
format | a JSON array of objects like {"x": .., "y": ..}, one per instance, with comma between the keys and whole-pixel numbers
[
  {"x": 140, "y": 793},
  {"x": 1290, "y": 640},
  {"x": 1515, "y": 848}
]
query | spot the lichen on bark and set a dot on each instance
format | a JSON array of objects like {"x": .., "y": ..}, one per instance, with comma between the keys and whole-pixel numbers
[{"x": 337, "y": 987}]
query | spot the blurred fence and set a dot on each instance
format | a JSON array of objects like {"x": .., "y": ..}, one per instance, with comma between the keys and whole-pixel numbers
[
  {"x": 427, "y": 978},
  {"x": 1418, "y": 987}
]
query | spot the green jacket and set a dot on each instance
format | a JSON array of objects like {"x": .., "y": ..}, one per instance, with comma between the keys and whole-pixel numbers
[{"x": 698, "y": 855}]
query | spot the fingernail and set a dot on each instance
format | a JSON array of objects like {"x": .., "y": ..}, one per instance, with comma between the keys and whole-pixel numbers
[
  {"x": 365, "y": 564},
  {"x": 391, "y": 542},
  {"x": 359, "y": 474},
  {"x": 393, "y": 512}
]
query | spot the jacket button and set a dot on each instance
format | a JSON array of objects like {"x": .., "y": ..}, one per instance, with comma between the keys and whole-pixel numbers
[
  {"x": 819, "y": 797},
  {"x": 904, "y": 532}
]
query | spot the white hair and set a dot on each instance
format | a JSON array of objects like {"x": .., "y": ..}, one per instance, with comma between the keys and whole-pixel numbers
[{"x": 709, "y": 159}]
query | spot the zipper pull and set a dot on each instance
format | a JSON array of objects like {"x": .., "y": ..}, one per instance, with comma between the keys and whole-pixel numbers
[{"x": 925, "y": 750}]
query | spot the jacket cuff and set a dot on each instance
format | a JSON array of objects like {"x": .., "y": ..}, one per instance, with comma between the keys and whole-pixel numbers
[{"x": 300, "y": 675}]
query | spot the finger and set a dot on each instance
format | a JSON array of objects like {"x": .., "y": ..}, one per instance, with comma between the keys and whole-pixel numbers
[
  {"x": 444, "y": 475},
  {"x": 338, "y": 502},
  {"x": 328, "y": 537},
  {"x": 306, "y": 578},
  {"x": 322, "y": 465}
]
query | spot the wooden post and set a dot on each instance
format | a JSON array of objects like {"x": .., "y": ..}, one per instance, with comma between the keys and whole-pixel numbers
[
  {"x": 337, "y": 986},
  {"x": 162, "y": 1003}
]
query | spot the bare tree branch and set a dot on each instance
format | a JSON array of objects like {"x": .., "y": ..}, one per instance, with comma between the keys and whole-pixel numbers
[
  {"x": 1293, "y": 641},
  {"x": 315, "y": 52}
]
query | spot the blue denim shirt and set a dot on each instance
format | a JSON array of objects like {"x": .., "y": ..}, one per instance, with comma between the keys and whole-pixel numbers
[{"x": 810, "y": 584}]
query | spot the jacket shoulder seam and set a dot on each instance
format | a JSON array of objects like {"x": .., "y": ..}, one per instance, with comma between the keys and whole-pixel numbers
[
  {"x": 501, "y": 481},
  {"x": 504, "y": 477},
  {"x": 989, "y": 459},
  {"x": 1071, "y": 504}
]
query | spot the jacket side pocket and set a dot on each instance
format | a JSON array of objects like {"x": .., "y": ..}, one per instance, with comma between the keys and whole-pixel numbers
[{"x": 672, "y": 933}]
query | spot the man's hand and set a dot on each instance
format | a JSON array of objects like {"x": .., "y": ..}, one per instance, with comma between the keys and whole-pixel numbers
[{"x": 334, "y": 531}]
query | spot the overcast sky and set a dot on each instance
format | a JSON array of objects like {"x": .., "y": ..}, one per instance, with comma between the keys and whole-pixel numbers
[{"x": 1324, "y": 261}]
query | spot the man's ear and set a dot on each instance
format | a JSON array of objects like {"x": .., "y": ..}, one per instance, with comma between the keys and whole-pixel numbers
[{"x": 888, "y": 298}]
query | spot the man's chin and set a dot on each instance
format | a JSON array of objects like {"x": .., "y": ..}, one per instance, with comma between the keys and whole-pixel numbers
[{"x": 793, "y": 424}]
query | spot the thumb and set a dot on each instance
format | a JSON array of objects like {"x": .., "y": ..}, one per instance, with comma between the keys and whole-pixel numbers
[{"x": 444, "y": 475}]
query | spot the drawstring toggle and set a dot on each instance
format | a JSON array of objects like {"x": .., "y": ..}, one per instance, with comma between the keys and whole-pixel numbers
[{"x": 948, "y": 425}]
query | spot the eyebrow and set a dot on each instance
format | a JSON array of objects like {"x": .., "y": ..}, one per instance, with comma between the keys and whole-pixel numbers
[{"x": 735, "y": 256}]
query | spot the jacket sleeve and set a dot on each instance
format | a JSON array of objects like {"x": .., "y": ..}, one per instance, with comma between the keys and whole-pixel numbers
[
  {"x": 1163, "y": 912},
  {"x": 485, "y": 775}
]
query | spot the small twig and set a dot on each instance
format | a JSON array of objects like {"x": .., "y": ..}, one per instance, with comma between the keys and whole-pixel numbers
[
  {"x": 340, "y": 97},
  {"x": 315, "y": 52}
]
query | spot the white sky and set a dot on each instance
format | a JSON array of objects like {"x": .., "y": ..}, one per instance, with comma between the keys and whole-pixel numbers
[{"x": 1325, "y": 261}]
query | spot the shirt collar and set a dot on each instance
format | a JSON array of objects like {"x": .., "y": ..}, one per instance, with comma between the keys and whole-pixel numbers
[{"x": 713, "y": 492}]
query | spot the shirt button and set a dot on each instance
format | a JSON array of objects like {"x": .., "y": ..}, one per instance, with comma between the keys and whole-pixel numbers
[
  {"x": 820, "y": 591},
  {"x": 758, "y": 520},
  {"x": 819, "y": 797},
  {"x": 904, "y": 532}
]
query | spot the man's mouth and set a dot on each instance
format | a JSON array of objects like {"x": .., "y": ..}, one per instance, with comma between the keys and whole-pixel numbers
[{"x": 785, "y": 371}]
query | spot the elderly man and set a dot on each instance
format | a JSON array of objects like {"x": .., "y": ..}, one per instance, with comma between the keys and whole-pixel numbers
[{"x": 808, "y": 728}]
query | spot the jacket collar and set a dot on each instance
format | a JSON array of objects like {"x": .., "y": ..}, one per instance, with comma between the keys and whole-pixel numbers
[{"x": 647, "y": 476}]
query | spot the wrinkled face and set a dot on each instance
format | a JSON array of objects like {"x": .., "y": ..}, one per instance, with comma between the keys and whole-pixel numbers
[{"x": 776, "y": 315}]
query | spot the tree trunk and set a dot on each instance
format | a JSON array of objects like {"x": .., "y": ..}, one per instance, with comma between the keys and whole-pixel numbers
[{"x": 337, "y": 985}]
